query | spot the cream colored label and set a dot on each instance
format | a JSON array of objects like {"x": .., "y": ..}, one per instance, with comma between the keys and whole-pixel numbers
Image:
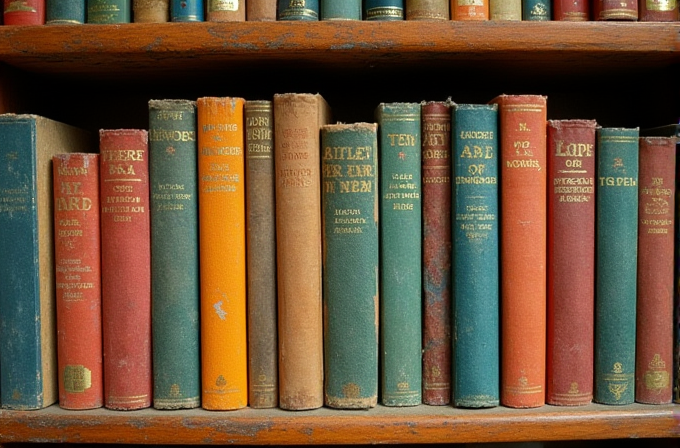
[
  {"x": 224, "y": 5},
  {"x": 661, "y": 5}
]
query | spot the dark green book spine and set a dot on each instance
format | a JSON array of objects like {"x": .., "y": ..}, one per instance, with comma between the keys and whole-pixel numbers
[
  {"x": 174, "y": 254},
  {"x": 384, "y": 9},
  {"x": 340, "y": 10},
  {"x": 536, "y": 10},
  {"x": 350, "y": 264},
  {"x": 108, "y": 11},
  {"x": 400, "y": 253},
  {"x": 475, "y": 260},
  {"x": 61, "y": 12},
  {"x": 299, "y": 10},
  {"x": 616, "y": 282}
]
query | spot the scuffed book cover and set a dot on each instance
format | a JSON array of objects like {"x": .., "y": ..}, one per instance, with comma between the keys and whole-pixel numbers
[
  {"x": 108, "y": 11},
  {"x": 350, "y": 264},
  {"x": 400, "y": 253},
  {"x": 571, "y": 261},
  {"x": 77, "y": 251},
  {"x": 173, "y": 177},
  {"x": 384, "y": 10},
  {"x": 523, "y": 202},
  {"x": 658, "y": 10},
  {"x": 28, "y": 341},
  {"x": 263, "y": 391},
  {"x": 470, "y": 9},
  {"x": 436, "y": 177},
  {"x": 427, "y": 10},
  {"x": 126, "y": 268},
  {"x": 24, "y": 12},
  {"x": 225, "y": 11},
  {"x": 616, "y": 265},
  {"x": 626, "y": 10},
  {"x": 656, "y": 226},
  {"x": 299, "y": 10},
  {"x": 187, "y": 11},
  {"x": 151, "y": 11},
  {"x": 64, "y": 12},
  {"x": 297, "y": 122},
  {"x": 505, "y": 10},
  {"x": 571, "y": 10},
  {"x": 476, "y": 319},
  {"x": 537, "y": 10},
  {"x": 222, "y": 252},
  {"x": 345, "y": 10},
  {"x": 261, "y": 10}
]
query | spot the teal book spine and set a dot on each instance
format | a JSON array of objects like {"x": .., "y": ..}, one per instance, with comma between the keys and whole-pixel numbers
[
  {"x": 400, "y": 253},
  {"x": 299, "y": 10},
  {"x": 174, "y": 254},
  {"x": 63, "y": 12},
  {"x": 616, "y": 268},
  {"x": 350, "y": 264},
  {"x": 187, "y": 11},
  {"x": 475, "y": 261},
  {"x": 340, "y": 10},
  {"x": 108, "y": 11},
  {"x": 536, "y": 10},
  {"x": 384, "y": 10}
]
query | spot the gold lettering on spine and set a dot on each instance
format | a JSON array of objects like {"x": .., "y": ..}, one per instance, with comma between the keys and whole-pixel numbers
[{"x": 77, "y": 379}]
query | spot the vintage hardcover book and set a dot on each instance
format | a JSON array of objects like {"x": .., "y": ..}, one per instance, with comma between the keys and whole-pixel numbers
[
  {"x": 64, "y": 12},
  {"x": 505, "y": 10},
  {"x": 350, "y": 264},
  {"x": 225, "y": 11},
  {"x": 187, "y": 11},
  {"x": 263, "y": 391},
  {"x": 571, "y": 10},
  {"x": 571, "y": 261},
  {"x": 126, "y": 271},
  {"x": 615, "y": 10},
  {"x": 616, "y": 269},
  {"x": 400, "y": 253},
  {"x": 476, "y": 317},
  {"x": 24, "y": 12},
  {"x": 658, "y": 10},
  {"x": 297, "y": 122},
  {"x": 536, "y": 10},
  {"x": 77, "y": 250},
  {"x": 345, "y": 10},
  {"x": 427, "y": 10},
  {"x": 522, "y": 127},
  {"x": 470, "y": 9},
  {"x": 151, "y": 11},
  {"x": 299, "y": 10},
  {"x": 656, "y": 227},
  {"x": 28, "y": 337},
  {"x": 173, "y": 177},
  {"x": 384, "y": 10},
  {"x": 222, "y": 243},
  {"x": 436, "y": 188},
  {"x": 261, "y": 10},
  {"x": 108, "y": 11}
]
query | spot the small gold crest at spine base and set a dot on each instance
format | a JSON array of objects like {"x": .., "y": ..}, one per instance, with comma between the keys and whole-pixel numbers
[
  {"x": 77, "y": 379},
  {"x": 617, "y": 381},
  {"x": 657, "y": 377}
]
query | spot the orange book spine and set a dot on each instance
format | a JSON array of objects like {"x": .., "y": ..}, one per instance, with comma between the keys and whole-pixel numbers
[
  {"x": 222, "y": 242},
  {"x": 470, "y": 9}
]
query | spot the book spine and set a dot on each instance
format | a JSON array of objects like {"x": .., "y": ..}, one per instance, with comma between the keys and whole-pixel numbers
[
  {"x": 108, "y": 11},
  {"x": 571, "y": 10},
  {"x": 384, "y": 9},
  {"x": 470, "y": 9},
  {"x": 476, "y": 303},
  {"x": 571, "y": 261},
  {"x": 615, "y": 10},
  {"x": 427, "y": 10},
  {"x": 226, "y": 11},
  {"x": 400, "y": 253},
  {"x": 523, "y": 249},
  {"x": 658, "y": 10},
  {"x": 63, "y": 12},
  {"x": 335, "y": 10},
  {"x": 26, "y": 12},
  {"x": 221, "y": 199},
  {"x": 263, "y": 389},
  {"x": 536, "y": 10},
  {"x": 297, "y": 122},
  {"x": 77, "y": 250},
  {"x": 126, "y": 272},
  {"x": 436, "y": 172},
  {"x": 350, "y": 264},
  {"x": 505, "y": 10},
  {"x": 616, "y": 269},
  {"x": 299, "y": 10},
  {"x": 187, "y": 11},
  {"x": 173, "y": 176},
  {"x": 656, "y": 223},
  {"x": 151, "y": 11},
  {"x": 261, "y": 10}
]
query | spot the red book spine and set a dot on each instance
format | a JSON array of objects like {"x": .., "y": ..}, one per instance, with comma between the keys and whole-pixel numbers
[
  {"x": 571, "y": 261},
  {"x": 24, "y": 12},
  {"x": 656, "y": 215},
  {"x": 571, "y": 10},
  {"x": 126, "y": 271},
  {"x": 658, "y": 10},
  {"x": 615, "y": 10}
]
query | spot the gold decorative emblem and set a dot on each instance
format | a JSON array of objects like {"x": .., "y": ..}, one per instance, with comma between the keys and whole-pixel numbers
[
  {"x": 77, "y": 379},
  {"x": 436, "y": 371},
  {"x": 174, "y": 390},
  {"x": 618, "y": 381},
  {"x": 657, "y": 378},
  {"x": 661, "y": 5},
  {"x": 618, "y": 367},
  {"x": 351, "y": 390},
  {"x": 403, "y": 386},
  {"x": 19, "y": 6},
  {"x": 220, "y": 382},
  {"x": 573, "y": 389}
]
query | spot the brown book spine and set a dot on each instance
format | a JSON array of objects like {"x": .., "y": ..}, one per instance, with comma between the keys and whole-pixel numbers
[
  {"x": 151, "y": 11},
  {"x": 571, "y": 10},
  {"x": 261, "y": 249},
  {"x": 656, "y": 223},
  {"x": 615, "y": 10},
  {"x": 571, "y": 261},
  {"x": 126, "y": 269},
  {"x": 225, "y": 11},
  {"x": 427, "y": 10},
  {"x": 470, "y": 9},
  {"x": 297, "y": 122},
  {"x": 658, "y": 10},
  {"x": 436, "y": 160},
  {"x": 261, "y": 10},
  {"x": 505, "y": 10}
]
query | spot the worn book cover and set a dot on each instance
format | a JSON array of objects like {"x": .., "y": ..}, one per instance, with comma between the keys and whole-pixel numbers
[
  {"x": 64, "y": 12},
  {"x": 615, "y": 10},
  {"x": 150, "y": 11},
  {"x": 299, "y": 10},
  {"x": 225, "y": 10},
  {"x": 24, "y": 12},
  {"x": 384, "y": 10},
  {"x": 261, "y": 10},
  {"x": 109, "y": 11},
  {"x": 505, "y": 10},
  {"x": 345, "y": 10},
  {"x": 571, "y": 10},
  {"x": 427, "y": 10},
  {"x": 536, "y": 10},
  {"x": 658, "y": 10},
  {"x": 470, "y": 9},
  {"x": 187, "y": 11}
]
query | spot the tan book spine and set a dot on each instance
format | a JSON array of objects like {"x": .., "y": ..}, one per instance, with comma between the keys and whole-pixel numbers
[
  {"x": 225, "y": 11},
  {"x": 505, "y": 9},
  {"x": 261, "y": 10},
  {"x": 151, "y": 11},
  {"x": 427, "y": 10}
]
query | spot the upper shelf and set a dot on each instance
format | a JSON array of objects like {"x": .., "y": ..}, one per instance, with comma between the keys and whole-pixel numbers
[{"x": 102, "y": 51}]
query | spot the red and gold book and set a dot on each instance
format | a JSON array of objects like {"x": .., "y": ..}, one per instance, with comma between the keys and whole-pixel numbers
[
  {"x": 24, "y": 12},
  {"x": 126, "y": 268},
  {"x": 658, "y": 10},
  {"x": 615, "y": 10},
  {"x": 571, "y": 10},
  {"x": 470, "y": 9}
]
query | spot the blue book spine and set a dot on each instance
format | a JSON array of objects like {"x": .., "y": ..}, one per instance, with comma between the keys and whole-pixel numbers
[
  {"x": 299, "y": 10},
  {"x": 536, "y": 10},
  {"x": 384, "y": 9},
  {"x": 187, "y": 11},
  {"x": 64, "y": 12},
  {"x": 108, "y": 11},
  {"x": 340, "y": 10}
]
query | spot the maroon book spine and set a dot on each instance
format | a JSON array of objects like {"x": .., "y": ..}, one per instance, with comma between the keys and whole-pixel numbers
[
  {"x": 658, "y": 10},
  {"x": 126, "y": 268},
  {"x": 656, "y": 217},
  {"x": 615, "y": 10},
  {"x": 571, "y": 261},
  {"x": 571, "y": 10},
  {"x": 436, "y": 160}
]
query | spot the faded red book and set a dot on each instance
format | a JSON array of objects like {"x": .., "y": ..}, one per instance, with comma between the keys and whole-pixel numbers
[
  {"x": 24, "y": 12},
  {"x": 658, "y": 10},
  {"x": 656, "y": 218},
  {"x": 126, "y": 268},
  {"x": 571, "y": 261},
  {"x": 261, "y": 10},
  {"x": 615, "y": 10},
  {"x": 571, "y": 10}
]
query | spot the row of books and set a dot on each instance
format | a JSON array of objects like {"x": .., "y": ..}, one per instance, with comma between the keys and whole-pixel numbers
[
  {"x": 446, "y": 252},
  {"x": 38, "y": 12}
]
